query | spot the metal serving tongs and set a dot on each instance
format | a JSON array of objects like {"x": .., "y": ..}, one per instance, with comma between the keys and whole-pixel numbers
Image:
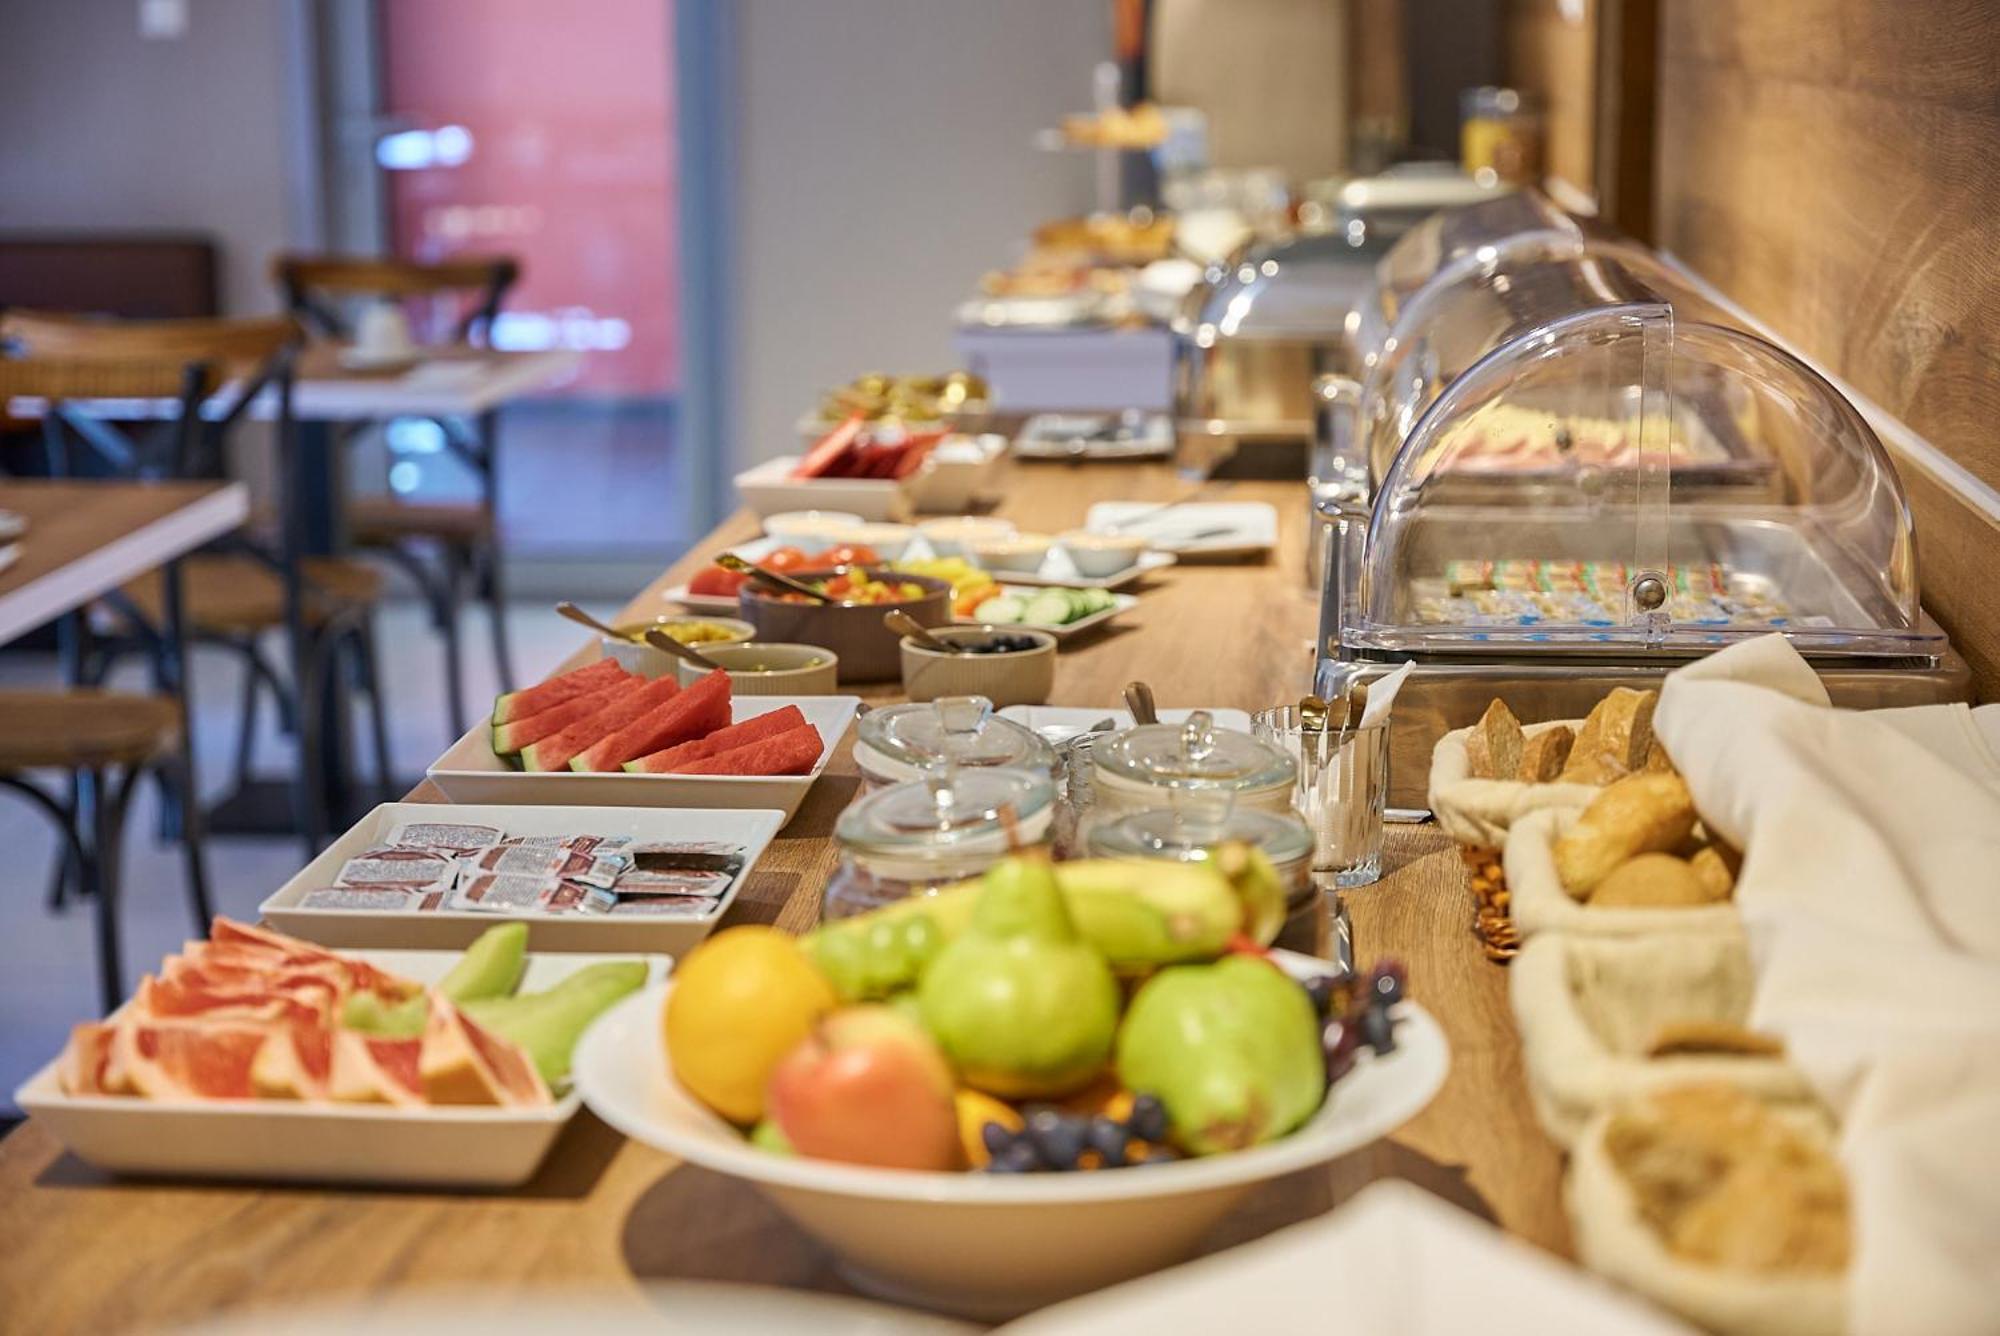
[{"x": 729, "y": 561}]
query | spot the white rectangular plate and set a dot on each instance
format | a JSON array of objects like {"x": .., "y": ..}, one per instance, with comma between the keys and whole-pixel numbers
[
  {"x": 1247, "y": 527},
  {"x": 1052, "y": 436},
  {"x": 447, "y": 929},
  {"x": 470, "y": 773},
  {"x": 1120, "y": 604},
  {"x": 288, "y": 1141},
  {"x": 1056, "y": 569},
  {"x": 769, "y": 489},
  {"x": 1059, "y": 723}
]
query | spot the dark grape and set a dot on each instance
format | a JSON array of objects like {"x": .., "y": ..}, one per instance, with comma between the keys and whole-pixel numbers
[
  {"x": 1386, "y": 983},
  {"x": 1148, "y": 1119},
  {"x": 1377, "y": 1030},
  {"x": 1058, "y": 1137},
  {"x": 1018, "y": 1158},
  {"x": 1109, "y": 1139},
  {"x": 1320, "y": 988},
  {"x": 997, "y": 1137}
]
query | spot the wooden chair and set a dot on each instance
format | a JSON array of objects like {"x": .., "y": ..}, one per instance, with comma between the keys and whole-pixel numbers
[
  {"x": 464, "y": 538},
  {"x": 243, "y": 586}
]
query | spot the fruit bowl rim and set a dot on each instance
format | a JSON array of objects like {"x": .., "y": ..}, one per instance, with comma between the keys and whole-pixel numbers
[{"x": 700, "y": 1137}]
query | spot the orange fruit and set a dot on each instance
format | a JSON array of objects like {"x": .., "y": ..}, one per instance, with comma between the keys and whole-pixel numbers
[{"x": 740, "y": 1002}]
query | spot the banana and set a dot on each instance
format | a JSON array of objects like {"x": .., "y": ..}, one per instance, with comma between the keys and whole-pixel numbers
[{"x": 1141, "y": 914}]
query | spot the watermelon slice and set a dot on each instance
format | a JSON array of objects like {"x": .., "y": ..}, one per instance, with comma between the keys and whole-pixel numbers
[
  {"x": 520, "y": 704},
  {"x": 793, "y": 752},
  {"x": 700, "y": 710},
  {"x": 721, "y": 740},
  {"x": 510, "y": 738},
  {"x": 554, "y": 752}
]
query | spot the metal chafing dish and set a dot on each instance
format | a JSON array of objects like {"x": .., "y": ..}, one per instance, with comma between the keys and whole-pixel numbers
[{"x": 1583, "y": 476}]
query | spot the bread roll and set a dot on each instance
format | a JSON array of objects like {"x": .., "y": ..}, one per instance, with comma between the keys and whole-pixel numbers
[
  {"x": 1616, "y": 736},
  {"x": 1544, "y": 754},
  {"x": 1650, "y": 881},
  {"x": 1639, "y": 814},
  {"x": 1494, "y": 748}
]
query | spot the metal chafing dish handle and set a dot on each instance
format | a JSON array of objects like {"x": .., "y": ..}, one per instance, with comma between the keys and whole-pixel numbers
[{"x": 1340, "y": 535}]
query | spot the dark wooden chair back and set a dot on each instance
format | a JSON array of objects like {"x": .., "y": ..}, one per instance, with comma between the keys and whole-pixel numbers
[{"x": 315, "y": 286}]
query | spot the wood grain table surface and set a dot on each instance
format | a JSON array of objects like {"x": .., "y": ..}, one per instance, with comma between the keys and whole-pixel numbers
[
  {"x": 81, "y": 1251},
  {"x": 85, "y": 537}
]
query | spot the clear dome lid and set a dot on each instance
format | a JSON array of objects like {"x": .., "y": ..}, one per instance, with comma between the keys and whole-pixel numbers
[
  {"x": 1308, "y": 287},
  {"x": 1191, "y": 755},
  {"x": 1186, "y": 831},
  {"x": 949, "y": 815},
  {"x": 905, "y": 741},
  {"x": 1611, "y": 474}
]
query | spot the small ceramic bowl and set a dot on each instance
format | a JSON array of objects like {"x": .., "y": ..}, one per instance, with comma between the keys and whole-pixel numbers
[
  {"x": 954, "y": 537},
  {"x": 1096, "y": 555},
  {"x": 889, "y": 541},
  {"x": 1019, "y": 552},
  {"x": 636, "y": 656},
  {"x": 865, "y": 648},
  {"x": 811, "y": 531},
  {"x": 760, "y": 669},
  {"x": 1018, "y": 677}
]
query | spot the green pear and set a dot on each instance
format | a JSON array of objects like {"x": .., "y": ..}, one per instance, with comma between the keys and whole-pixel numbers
[
  {"x": 1231, "y": 1049},
  {"x": 1020, "y": 1003}
]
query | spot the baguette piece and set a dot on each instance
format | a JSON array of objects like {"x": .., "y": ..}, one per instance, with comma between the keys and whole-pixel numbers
[
  {"x": 1494, "y": 747},
  {"x": 1640, "y": 814},
  {"x": 1617, "y": 734},
  {"x": 1544, "y": 755}
]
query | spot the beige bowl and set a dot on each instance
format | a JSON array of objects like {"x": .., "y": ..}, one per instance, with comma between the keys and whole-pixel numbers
[
  {"x": 635, "y": 656},
  {"x": 1023, "y": 677},
  {"x": 990, "y": 1245},
  {"x": 760, "y": 669},
  {"x": 865, "y": 648}
]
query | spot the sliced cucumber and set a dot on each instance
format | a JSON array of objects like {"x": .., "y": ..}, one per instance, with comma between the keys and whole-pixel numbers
[
  {"x": 1001, "y": 609},
  {"x": 1051, "y": 607}
]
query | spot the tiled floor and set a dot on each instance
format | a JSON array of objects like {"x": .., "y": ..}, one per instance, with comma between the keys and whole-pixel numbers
[{"x": 47, "y": 963}]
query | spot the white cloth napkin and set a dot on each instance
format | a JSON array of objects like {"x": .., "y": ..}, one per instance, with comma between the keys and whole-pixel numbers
[
  {"x": 1393, "y": 1261},
  {"x": 1871, "y": 892}
]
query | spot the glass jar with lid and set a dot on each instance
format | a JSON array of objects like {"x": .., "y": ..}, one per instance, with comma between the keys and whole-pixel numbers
[
  {"x": 1188, "y": 832},
  {"x": 1154, "y": 765},
  {"x": 898, "y": 743},
  {"x": 921, "y": 835}
]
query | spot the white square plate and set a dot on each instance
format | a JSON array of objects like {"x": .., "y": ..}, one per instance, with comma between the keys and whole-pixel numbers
[
  {"x": 445, "y": 929},
  {"x": 1197, "y": 528},
  {"x": 1056, "y": 569},
  {"x": 1070, "y": 436},
  {"x": 1058, "y": 723},
  {"x": 769, "y": 489},
  {"x": 469, "y": 772},
  {"x": 1120, "y": 604},
  {"x": 290, "y": 1141}
]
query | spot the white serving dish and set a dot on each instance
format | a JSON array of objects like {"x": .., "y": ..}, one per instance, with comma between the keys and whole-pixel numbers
[
  {"x": 1059, "y": 723},
  {"x": 441, "y": 929},
  {"x": 810, "y": 531},
  {"x": 289, "y": 1141},
  {"x": 1056, "y": 569},
  {"x": 1248, "y": 528},
  {"x": 469, "y": 772},
  {"x": 988, "y": 1245},
  {"x": 1055, "y": 436},
  {"x": 1121, "y": 604},
  {"x": 959, "y": 473},
  {"x": 769, "y": 489}
]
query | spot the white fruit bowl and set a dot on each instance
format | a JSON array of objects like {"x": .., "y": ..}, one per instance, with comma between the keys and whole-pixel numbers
[{"x": 993, "y": 1246}]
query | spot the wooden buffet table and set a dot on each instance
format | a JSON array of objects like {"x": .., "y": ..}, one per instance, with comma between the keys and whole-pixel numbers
[{"x": 80, "y": 1251}]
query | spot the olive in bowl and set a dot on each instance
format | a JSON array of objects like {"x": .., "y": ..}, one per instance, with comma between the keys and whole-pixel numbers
[{"x": 1006, "y": 664}]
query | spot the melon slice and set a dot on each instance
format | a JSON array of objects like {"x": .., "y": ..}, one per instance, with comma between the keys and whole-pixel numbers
[
  {"x": 520, "y": 704},
  {"x": 554, "y": 752},
  {"x": 510, "y": 738},
  {"x": 373, "y": 1069},
  {"x": 793, "y": 752},
  {"x": 766, "y": 725},
  {"x": 185, "y": 1060},
  {"x": 701, "y": 709},
  {"x": 460, "y": 1063}
]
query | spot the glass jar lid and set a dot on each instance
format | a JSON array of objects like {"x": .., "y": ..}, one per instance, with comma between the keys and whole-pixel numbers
[
  {"x": 1186, "y": 831},
  {"x": 949, "y": 814},
  {"x": 905, "y": 741},
  {"x": 1193, "y": 754}
]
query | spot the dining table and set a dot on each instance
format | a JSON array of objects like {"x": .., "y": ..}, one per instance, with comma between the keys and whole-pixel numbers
[{"x": 82, "y": 1250}]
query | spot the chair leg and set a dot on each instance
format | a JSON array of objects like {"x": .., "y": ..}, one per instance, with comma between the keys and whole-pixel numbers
[
  {"x": 309, "y": 793},
  {"x": 101, "y": 874},
  {"x": 69, "y": 863},
  {"x": 454, "y": 657},
  {"x": 368, "y": 671},
  {"x": 496, "y": 609},
  {"x": 180, "y": 774}
]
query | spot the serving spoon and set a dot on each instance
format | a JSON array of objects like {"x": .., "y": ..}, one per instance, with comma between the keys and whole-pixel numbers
[
  {"x": 729, "y": 561},
  {"x": 903, "y": 624},
  {"x": 1139, "y": 700},
  {"x": 660, "y": 640}
]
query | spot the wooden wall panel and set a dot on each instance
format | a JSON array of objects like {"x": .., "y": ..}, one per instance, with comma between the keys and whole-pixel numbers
[
  {"x": 1834, "y": 166},
  {"x": 1554, "y": 57}
]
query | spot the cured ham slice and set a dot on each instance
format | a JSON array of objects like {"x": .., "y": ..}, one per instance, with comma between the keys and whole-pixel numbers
[
  {"x": 185, "y": 1060},
  {"x": 296, "y": 1062},
  {"x": 463, "y": 1064},
  {"x": 370, "y": 1069},
  {"x": 81, "y": 1069}
]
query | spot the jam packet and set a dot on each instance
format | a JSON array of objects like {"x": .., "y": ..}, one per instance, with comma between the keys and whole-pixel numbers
[
  {"x": 365, "y": 899},
  {"x": 447, "y": 836},
  {"x": 405, "y": 869},
  {"x": 504, "y": 893}
]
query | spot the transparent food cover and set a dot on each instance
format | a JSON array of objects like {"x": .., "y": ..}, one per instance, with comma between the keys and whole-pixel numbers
[{"x": 1607, "y": 475}]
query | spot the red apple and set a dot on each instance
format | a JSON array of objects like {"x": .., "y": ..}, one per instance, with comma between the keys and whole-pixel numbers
[{"x": 868, "y": 1086}]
